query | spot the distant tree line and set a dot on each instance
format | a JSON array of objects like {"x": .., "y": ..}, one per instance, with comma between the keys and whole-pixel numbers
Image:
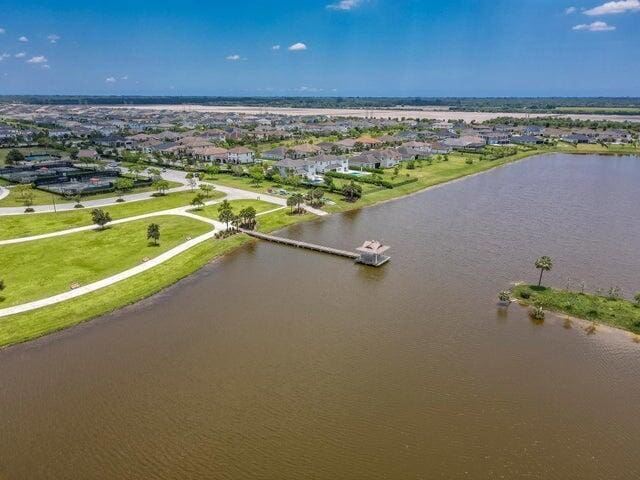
[{"x": 549, "y": 104}]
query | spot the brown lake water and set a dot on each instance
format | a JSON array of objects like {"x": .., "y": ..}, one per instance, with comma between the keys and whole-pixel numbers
[{"x": 280, "y": 363}]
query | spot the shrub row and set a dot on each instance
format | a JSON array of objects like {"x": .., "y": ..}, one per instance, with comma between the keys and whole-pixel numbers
[{"x": 373, "y": 180}]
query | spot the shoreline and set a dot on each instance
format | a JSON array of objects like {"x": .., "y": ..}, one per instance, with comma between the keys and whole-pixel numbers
[
  {"x": 201, "y": 260},
  {"x": 594, "y": 311},
  {"x": 584, "y": 324}
]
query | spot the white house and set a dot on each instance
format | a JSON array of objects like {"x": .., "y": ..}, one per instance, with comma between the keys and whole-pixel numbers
[{"x": 240, "y": 155}]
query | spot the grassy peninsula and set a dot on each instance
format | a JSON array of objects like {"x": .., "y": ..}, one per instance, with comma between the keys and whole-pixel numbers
[{"x": 608, "y": 310}]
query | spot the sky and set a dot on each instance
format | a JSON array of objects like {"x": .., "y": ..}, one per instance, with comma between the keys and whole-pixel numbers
[{"x": 321, "y": 47}]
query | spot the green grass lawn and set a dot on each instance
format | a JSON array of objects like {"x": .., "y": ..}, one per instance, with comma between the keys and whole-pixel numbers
[
  {"x": 589, "y": 148},
  {"x": 280, "y": 219},
  {"x": 39, "y": 269},
  {"x": 617, "y": 313},
  {"x": 30, "y": 325},
  {"x": 211, "y": 211},
  {"x": 15, "y": 226},
  {"x": 45, "y": 198}
]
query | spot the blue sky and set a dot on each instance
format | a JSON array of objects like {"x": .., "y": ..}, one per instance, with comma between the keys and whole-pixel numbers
[{"x": 350, "y": 47}]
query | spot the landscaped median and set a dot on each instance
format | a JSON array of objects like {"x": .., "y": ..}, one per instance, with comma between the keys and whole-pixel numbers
[
  {"x": 16, "y": 226},
  {"x": 609, "y": 310}
]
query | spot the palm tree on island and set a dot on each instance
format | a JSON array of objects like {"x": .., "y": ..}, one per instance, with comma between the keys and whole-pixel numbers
[{"x": 544, "y": 264}]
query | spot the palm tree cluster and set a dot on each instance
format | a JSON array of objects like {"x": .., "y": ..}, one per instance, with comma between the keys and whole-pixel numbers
[
  {"x": 247, "y": 218},
  {"x": 315, "y": 197},
  {"x": 295, "y": 201}
]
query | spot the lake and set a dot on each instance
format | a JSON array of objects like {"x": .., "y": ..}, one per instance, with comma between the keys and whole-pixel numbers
[{"x": 282, "y": 363}]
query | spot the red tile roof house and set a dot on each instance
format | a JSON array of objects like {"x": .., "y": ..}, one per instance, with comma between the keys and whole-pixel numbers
[
  {"x": 211, "y": 154},
  {"x": 92, "y": 154}
]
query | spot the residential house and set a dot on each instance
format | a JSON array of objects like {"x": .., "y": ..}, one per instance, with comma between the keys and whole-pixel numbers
[
  {"x": 88, "y": 154},
  {"x": 576, "y": 138},
  {"x": 211, "y": 154},
  {"x": 312, "y": 167},
  {"x": 303, "y": 150},
  {"x": 467, "y": 142},
  {"x": 279, "y": 153},
  {"x": 240, "y": 155}
]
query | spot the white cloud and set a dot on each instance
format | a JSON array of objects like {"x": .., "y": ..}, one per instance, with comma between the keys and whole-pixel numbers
[
  {"x": 125, "y": 77},
  {"x": 23, "y": 39},
  {"x": 608, "y": 8},
  {"x": 345, "y": 5},
  {"x": 595, "y": 27},
  {"x": 298, "y": 47},
  {"x": 570, "y": 10},
  {"x": 309, "y": 89},
  {"x": 39, "y": 59},
  {"x": 53, "y": 38},
  {"x": 20, "y": 55},
  {"x": 233, "y": 58},
  {"x": 4, "y": 55},
  {"x": 111, "y": 80},
  {"x": 275, "y": 47},
  {"x": 46, "y": 67},
  {"x": 2, "y": 31}
]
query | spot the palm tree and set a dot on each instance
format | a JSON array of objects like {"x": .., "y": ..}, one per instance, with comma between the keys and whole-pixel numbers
[
  {"x": 291, "y": 202},
  {"x": 153, "y": 233},
  {"x": 544, "y": 264},
  {"x": 225, "y": 212}
]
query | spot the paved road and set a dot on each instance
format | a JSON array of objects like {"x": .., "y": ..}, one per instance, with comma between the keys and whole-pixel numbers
[{"x": 171, "y": 175}]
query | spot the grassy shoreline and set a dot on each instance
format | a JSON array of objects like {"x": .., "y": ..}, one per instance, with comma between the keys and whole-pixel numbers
[
  {"x": 613, "y": 312},
  {"x": 23, "y": 327}
]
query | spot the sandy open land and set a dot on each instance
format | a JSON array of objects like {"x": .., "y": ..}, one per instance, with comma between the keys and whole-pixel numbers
[{"x": 428, "y": 113}]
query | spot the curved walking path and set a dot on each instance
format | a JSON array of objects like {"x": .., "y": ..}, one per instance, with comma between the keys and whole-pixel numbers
[
  {"x": 230, "y": 194},
  {"x": 106, "y": 282}
]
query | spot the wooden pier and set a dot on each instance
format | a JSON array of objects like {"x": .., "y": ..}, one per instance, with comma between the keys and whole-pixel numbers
[{"x": 358, "y": 257}]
